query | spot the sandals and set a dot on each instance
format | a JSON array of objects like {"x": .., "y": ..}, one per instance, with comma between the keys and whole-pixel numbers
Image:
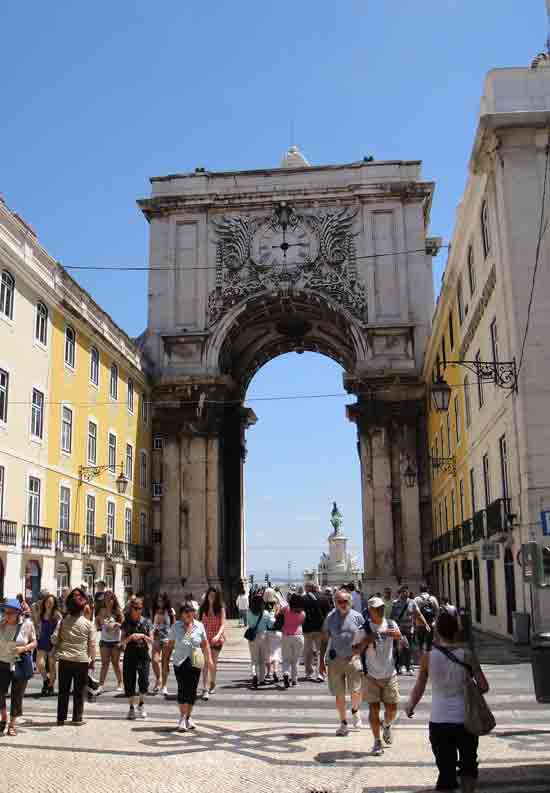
[{"x": 12, "y": 730}]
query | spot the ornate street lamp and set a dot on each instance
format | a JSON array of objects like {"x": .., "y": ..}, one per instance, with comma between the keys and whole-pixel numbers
[
  {"x": 409, "y": 474},
  {"x": 89, "y": 472},
  {"x": 502, "y": 373},
  {"x": 441, "y": 394}
]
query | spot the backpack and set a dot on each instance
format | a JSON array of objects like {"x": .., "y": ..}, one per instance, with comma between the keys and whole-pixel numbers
[{"x": 427, "y": 610}]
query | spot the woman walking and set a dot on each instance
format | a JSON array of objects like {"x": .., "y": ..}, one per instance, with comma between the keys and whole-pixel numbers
[
  {"x": 191, "y": 649},
  {"x": 259, "y": 620},
  {"x": 293, "y": 640},
  {"x": 164, "y": 617},
  {"x": 48, "y": 617},
  {"x": 275, "y": 639},
  {"x": 75, "y": 647},
  {"x": 136, "y": 638},
  {"x": 17, "y": 640},
  {"x": 108, "y": 621},
  {"x": 212, "y": 616},
  {"x": 448, "y": 737}
]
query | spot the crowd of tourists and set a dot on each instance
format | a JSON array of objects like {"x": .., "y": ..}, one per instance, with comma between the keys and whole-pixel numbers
[{"x": 360, "y": 643}]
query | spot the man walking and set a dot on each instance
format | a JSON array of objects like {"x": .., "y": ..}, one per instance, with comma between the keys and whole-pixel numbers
[
  {"x": 341, "y": 630},
  {"x": 402, "y": 613},
  {"x": 316, "y": 609},
  {"x": 380, "y": 684},
  {"x": 388, "y": 602},
  {"x": 427, "y": 610}
]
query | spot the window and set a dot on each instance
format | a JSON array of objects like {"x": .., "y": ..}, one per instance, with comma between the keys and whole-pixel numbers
[
  {"x": 480, "y": 395},
  {"x": 92, "y": 442},
  {"x": 494, "y": 340},
  {"x": 88, "y": 578},
  {"x": 63, "y": 577},
  {"x": 457, "y": 587},
  {"x": 37, "y": 413},
  {"x": 158, "y": 442},
  {"x": 460, "y": 301},
  {"x": 453, "y": 508},
  {"x": 129, "y": 462},
  {"x": 111, "y": 518},
  {"x": 94, "y": 366},
  {"x": 33, "y": 501},
  {"x": 473, "y": 489},
  {"x": 444, "y": 352},
  {"x": 143, "y": 528},
  {"x": 109, "y": 577},
  {"x": 90, "y": 515},
  {"x": 145, "y": 409},
  {"x": 4, "y": 383},
  {"x": 2, "y": 481},
  {"x": 64, "y": 508},
  {"x": 112, "y": 453},
  {"x": 486, "y": 479},
  {"x": 440, "y": 518},
  {"x": 70, "y": 343},
  {"x": 451, "y": 331},
  {"x": 485, "y": 231},
  {"x": 457, "y": 420},
  {"x": 448, "y": 426},
  {"x": 467, "y": 401},
  {"x": 7, "y": 291},
  {"x": 471, "y": 270},
  {"x": 67, "y": 430},
  {"x": 491, "y": 587},
  {"x": 127, "y": 525},
  {"x": 446, "y": 515},
  {"x": 113, "y": 386},
  {"x": 41, "y": 326},
  {"x": 143, "y": 469},
  {"x": 437, "y": 446},
  {"x": 461, "y": 499},
  {"x": 503, "y": 451},
  {"x": 157, "y": 489},
  {"x": 130, "y": 396}
]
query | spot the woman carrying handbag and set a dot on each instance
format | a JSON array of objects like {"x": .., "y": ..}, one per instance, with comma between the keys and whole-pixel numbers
[
  {"x": 17, "y": 641},
  {"x": 452, "y": 671}
]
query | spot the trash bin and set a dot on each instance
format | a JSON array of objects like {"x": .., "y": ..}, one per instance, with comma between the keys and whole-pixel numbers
[
  {"x": 521, "y": 623},
  {"x": 540, "y": 660}
]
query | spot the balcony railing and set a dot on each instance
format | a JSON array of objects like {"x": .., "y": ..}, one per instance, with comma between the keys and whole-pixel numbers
[
  {"x": 37, "y": 536},
  {"x": 467, "y": 532},
  {"x": 8, "y": 532},
  {"x": 457, "y": 538},
  {"x": 498, "y": 516},
  {"x": 95, "y": 545},
  {"x": 479, "y": 525},
  {"x": 67, "y": 541}
]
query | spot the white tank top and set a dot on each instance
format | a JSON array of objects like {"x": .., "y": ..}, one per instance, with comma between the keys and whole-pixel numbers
[{"x": 447, "y": 687}]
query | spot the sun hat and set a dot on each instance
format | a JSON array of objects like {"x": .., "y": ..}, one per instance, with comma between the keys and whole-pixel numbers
[
  {"x": 376, "y": 603},
  {"x": 12, "y": 603}
]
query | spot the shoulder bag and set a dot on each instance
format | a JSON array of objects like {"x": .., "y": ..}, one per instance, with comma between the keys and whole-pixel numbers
[
  {"x": 197, "y": 655},
  {"x": 250, "y": 633},
  {"x": 478, "y": 717},
  {"x": 23, "y": 669}
]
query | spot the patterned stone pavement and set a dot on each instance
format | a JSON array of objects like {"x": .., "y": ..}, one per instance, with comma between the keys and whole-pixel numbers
[{"x": 270, "y": 741}]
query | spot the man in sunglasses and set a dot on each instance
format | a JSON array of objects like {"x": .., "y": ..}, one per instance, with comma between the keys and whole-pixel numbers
[{"x": 339, "y": 634}]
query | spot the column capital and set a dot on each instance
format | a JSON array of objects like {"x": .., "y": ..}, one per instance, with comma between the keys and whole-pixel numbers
[{"x": 371, "y": 413}]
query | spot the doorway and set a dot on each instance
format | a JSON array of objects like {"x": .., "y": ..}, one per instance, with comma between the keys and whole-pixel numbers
[
  {"x": 477, "y": 590},
  {"x": 33, "y": 577},
  {"x": 510, "y": 586}
]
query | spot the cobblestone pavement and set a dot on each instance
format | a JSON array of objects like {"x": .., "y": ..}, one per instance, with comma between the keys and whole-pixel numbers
[{"x": 267, "y": 741}]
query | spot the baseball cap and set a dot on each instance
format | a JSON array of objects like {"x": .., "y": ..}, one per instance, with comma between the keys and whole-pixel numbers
[
  {"x": 376, "y": 603},
  {"x": 12, "y": 603}
]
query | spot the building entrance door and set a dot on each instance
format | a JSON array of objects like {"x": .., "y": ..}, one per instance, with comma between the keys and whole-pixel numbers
[
  {"x": 477, "y": 590},
  {"x": 510, "y": 584}
]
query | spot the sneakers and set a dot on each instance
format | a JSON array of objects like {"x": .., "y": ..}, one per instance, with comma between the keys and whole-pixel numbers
[
  {"x": 255, "y": 681},
  {"x": 286, "y": 681},
  {"x": 212, "y": 690},
  {"x": 205, "y": 694},
  {"x": 310, "y": 677},
  {"x": 164, "y": 691},
  {"x": 156, "y": 688},
  {"x": 343, "y": 729},
  {"x": 131, "y": 714},
  {"x": 182, "y": 726},
  {"x": 99, "y": 690},
  {"x": 357, "y": 721},
  {"x": 190, "y": 724},
  {"x": 320, "y": 678},
  {"x": 141, "y": 712},
  {"x": 387, "y": 734},
  {"x": 377, "y": 749},
  {"x": 119, "y": 689}
]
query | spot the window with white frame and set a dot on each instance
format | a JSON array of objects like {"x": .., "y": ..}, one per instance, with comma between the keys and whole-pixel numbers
[
  {"x": 66, "y": 429},
  {"x": 111, "y": 458},
  {"x": 457, "y": 420},
  {"x": 33, "y": 501},
  {"x": 144, "y": 408},
  {"x": 130, "y": 396},
  {"x": 127, "y": 525},
  {"x": 90, "y": 515},
  {"x": 4, "y": 387},
  {"x": 113, "y": 382},
  {"x": 158, "y": 442},
  {"x": 41, "y": 324},
  {"x": 157, "y": 489},
  {"x": 2, "y": 486},
  {"x": 461, "y": 499},
  {"x": 64, "y": 508},
  {"x": 473, "y": 493},
  {"x": 92, "y": 443},
  {"x": 504, "y": 477},
  {"x": 143, "y": 528},
  {"x": 494, "y": 340},
  {"x": 471, "y": 270},
  {"x": 111, "y": 518},
  {"x": 485, "y": 230},
  {"x": 467, "y": 401},
  {"x": 453, "y": 508},
  {"x": 37, "y": 414},
  {"x": 129, "y": 462},
  {"x": 486, "y": 479},
  {"x": 7, "y": 293},
  {"x": 460, "y": 301},
  {"x": 70, "y": 346},
  {"x": 446, "y": 514},
  {"x": 94, "y": 366},
  {"x": 143, "y": 469}
]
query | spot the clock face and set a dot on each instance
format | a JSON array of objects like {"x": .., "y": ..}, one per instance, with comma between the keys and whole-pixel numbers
[{"x": 298, "y": 247}]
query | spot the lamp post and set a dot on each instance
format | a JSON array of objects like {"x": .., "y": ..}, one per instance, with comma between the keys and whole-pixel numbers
[
  {"x": 502, "y": 373},
  {"x": 409, "y": 474},
  {"x": 89, "y": 472}
]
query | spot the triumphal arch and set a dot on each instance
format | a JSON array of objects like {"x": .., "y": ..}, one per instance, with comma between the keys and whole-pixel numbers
[{"x": 246, "y": 265}]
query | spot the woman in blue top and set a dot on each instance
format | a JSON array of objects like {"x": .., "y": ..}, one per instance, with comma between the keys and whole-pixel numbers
[
  {"x": 259, "y": 620},
  {"x": 187, "y": 639},
  {"x": 49, "y": 616}
]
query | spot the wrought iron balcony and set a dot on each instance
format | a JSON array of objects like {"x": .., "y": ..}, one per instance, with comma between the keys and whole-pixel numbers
[
  {"x": 120, "y": 550},
  {"x": 457, "y": 538},
  {"x": 95, "y": 545},
  {"x": 8, "y": 532},
  {"x": 37, "y": 536},
  {"x": 498, "y": 516},
  {"x": 467, "y": 532},
  {"x": 479, "y": 525},
  {"x": 67, "y": 541}
]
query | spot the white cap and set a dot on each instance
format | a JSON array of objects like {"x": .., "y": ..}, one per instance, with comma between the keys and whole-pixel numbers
[{"x": 376, "y": 603}]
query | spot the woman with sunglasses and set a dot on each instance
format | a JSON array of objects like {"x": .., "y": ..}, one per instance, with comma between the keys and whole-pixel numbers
[
  {"x": 187, "y": 638},
  {"x": 136, "y": 638}
]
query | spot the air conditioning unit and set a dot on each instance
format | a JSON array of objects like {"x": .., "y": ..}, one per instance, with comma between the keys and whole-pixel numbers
[{"x": 108, "y": 545}]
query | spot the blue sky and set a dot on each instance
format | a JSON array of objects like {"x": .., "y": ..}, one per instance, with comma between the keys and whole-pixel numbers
[{"x": 96, "y": 98}]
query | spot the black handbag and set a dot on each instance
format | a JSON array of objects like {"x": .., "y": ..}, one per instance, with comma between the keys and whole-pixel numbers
[
  {"x": 250, "y": 633},
  {"x": 23, "y": 669}
]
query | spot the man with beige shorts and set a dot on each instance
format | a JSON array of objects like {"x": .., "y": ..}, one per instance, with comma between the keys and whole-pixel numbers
[{"x": 380, "y": 682}]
